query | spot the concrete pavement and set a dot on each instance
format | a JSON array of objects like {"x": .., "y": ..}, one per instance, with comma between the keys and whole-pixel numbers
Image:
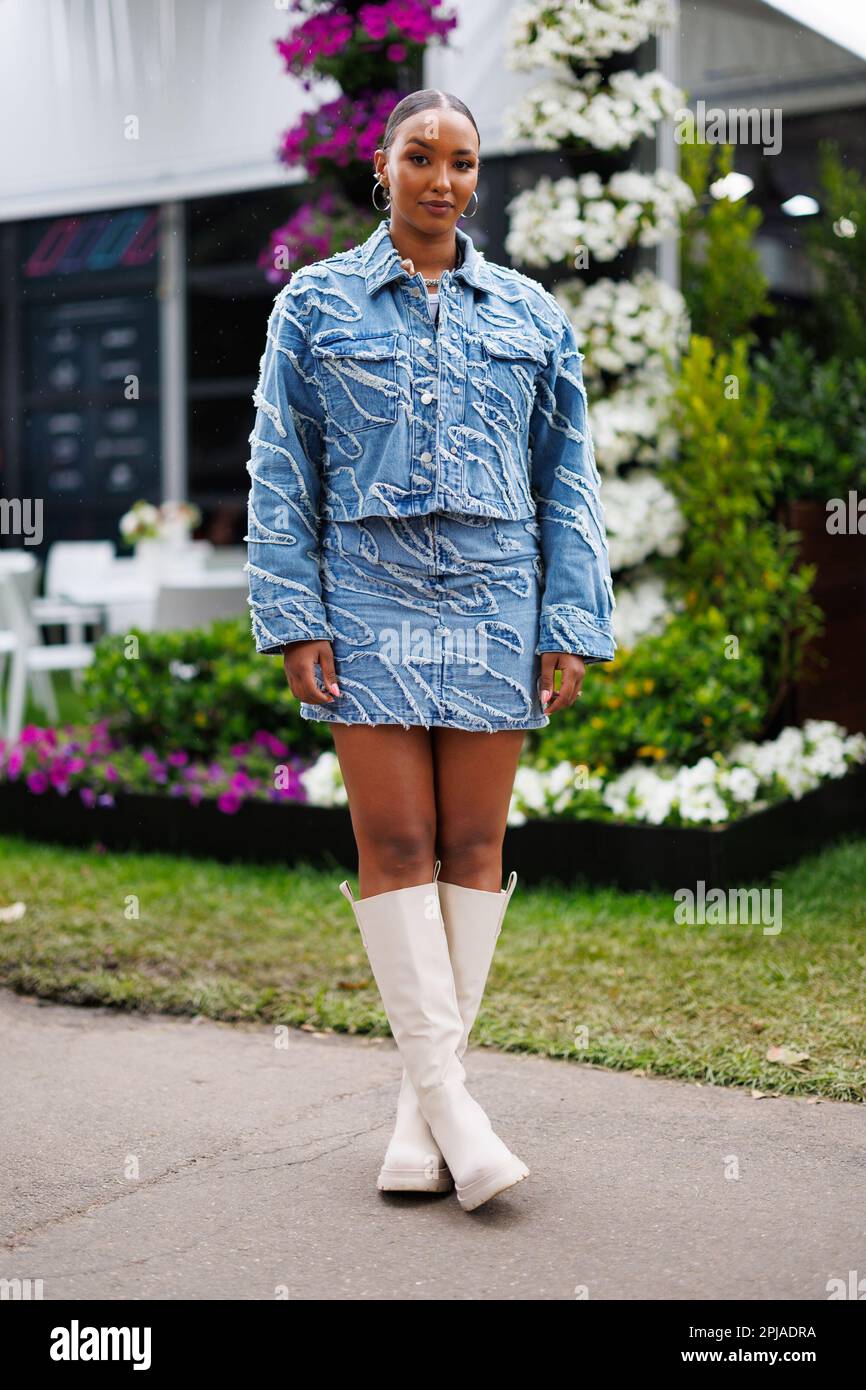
[{"x": 155, "y": 1157}]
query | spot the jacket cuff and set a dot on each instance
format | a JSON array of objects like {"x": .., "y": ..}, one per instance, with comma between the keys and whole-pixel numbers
[
  {"x": 567, "y": 628},
  {"x": 276, "y": 624}
]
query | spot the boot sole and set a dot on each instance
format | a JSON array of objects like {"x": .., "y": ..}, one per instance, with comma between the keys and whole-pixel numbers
[
  {"x": 413, "y": 1180},
  {"x": 489, "y": 1184}
]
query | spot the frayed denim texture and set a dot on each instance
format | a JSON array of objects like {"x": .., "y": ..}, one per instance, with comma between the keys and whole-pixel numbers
[
  {"x": 434, "y": 621},
  {"x": 365, "y": 409}
]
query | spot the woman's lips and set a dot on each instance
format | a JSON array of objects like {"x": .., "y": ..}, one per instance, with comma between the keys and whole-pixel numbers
[{"x": 438, "y": 207}]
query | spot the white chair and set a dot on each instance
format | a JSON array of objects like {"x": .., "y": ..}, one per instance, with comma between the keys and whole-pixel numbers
[
  {"x": 225, "y": 557},
  {"x": 67, "y": 562},
  {"x": 25, "y": 563},
  {"x": 181, "y": 605},
  {"x": 31, "y": 661},
  {"x": 8, "y": 644}
]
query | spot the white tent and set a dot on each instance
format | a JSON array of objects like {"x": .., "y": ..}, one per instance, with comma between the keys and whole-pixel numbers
[{"x": 208, "y": 97}]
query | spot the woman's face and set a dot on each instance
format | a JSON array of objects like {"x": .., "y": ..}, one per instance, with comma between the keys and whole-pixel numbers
[{"x": 433, "y": 159}]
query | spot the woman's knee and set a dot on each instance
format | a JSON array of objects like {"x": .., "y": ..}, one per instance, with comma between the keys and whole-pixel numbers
[
  {"x": 470, "y": 854},
  {"x": 399, "y": 850}
]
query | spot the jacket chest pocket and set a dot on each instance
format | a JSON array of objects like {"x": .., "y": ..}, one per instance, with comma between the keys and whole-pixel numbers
[
  {"x": 358, "y": 380},
  {"x": 510, "y": 364}
]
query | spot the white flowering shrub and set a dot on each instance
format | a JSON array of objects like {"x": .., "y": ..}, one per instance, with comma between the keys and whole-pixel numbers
[
  {"x": 625, "y": 325},
  {"x": 554, "y": 220},
  {"x": 642, "y": 610},
  {"x": 607, "y": 116},
  {"x": 549, "y": 33},
  {"x": 642, "y": 518},
  {"x": 631, "y": 423},
  {"x": 714, "y": 790},
  {"x": 323, "y": 782}
]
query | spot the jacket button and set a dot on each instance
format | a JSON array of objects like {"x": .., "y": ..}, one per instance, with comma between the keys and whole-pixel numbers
[
  {"x": 426, "y": 456},
  {"x": 426, "y": 397},
  {"x": 426, "y": 342}
]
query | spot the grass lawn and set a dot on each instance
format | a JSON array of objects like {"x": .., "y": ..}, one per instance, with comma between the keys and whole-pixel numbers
[{"x": 281, "y": 946}]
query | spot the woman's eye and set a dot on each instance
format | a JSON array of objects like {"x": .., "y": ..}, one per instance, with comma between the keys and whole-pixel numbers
[{"x": 464, "y": 163}]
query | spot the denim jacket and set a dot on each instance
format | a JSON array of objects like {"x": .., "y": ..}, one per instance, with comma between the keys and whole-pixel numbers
[{"x": 364, "y": 408}]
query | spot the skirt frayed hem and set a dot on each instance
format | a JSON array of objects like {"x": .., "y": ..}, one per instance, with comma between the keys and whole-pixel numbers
[{"x": 323, "y": 717}]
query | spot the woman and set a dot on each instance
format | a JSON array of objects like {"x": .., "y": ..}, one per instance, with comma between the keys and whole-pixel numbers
[{"x": 425, "y": 528}]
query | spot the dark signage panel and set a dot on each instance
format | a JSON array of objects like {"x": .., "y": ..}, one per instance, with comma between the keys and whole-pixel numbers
[{"x": 92, "y": 423}]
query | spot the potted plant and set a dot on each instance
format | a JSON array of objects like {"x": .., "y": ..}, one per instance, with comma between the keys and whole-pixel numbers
[{"x": 158, "y": 533}]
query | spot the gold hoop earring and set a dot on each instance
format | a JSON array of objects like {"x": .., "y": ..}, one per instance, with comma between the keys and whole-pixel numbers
[
  {"x": 378, "y": 184},
  {"x": 477, "y": 200}
]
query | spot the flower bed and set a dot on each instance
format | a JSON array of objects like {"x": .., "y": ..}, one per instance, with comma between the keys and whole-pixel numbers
[
  {"x": 723, "y": 820},
  {"x": 95, "y": 767},
  {"x": 717, "y": 790},
  {"x": 556, "y": 848},
  {"x": 91, "y": 766}
]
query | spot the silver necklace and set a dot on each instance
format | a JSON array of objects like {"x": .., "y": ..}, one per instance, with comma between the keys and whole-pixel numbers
[{"x": 408, "y": 264}]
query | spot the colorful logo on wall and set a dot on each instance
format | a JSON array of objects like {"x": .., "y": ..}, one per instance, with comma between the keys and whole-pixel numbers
[{"x": 94, "y": 242}]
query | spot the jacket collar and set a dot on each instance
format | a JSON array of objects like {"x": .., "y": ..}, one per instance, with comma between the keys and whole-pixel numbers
[{"x": 381, "y": 260}]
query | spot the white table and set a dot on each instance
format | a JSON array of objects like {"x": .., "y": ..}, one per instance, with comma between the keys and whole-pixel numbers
[{"x": 126, "y": 593}]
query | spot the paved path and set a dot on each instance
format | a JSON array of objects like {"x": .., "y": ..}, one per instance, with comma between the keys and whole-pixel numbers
[{"x": 256, "y": 1169}]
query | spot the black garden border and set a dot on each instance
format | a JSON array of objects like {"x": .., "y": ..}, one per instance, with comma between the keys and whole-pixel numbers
[{"x": 626, "y": 856}]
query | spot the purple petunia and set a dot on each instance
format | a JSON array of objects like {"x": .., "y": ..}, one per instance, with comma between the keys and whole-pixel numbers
[{"x": 80, "y": 766}]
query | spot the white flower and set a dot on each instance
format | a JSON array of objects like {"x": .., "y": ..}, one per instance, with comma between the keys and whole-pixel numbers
[
  {"x": 640, "y": 793},
  {"x": 567, "y": 109},
  {"x": 551, "y": 221},
  {"x": 641, "y": 518},
  {"x": 142, "y": 520},
  {"x": 642, "y": 610},
  {"x": 708, "y": 791},
  {"x": 625, "y": 325},
  {"x": 702, "y": 803},
  {"x": 554, "y": 32},
  {"x": 741, "y": 782},
  {"x": 529, "y": 788},
  {"x": 323, "y": 781},
  {"x": 631, "y": 424},
  {"x": 183, "y": 670}
]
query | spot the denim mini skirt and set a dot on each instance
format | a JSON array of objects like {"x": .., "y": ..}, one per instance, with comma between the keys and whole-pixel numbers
[{"x": 435, "y": 621}]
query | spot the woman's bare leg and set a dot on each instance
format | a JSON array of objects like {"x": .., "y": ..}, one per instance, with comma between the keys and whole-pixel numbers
[
  {"x": 473, "y": 777},
  {"x": 388, "y": 774}
]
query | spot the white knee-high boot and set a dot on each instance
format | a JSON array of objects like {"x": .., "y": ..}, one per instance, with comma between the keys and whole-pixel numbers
[
  {"x": 473, "y": 920},
  {"x": 405, "y": 940}
]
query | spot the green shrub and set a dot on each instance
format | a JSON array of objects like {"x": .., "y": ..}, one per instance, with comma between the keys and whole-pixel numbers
[
  {"x": 726, "y": 474},
  {"x": 719, "y": 671},
  {"x": 724, "y": 286},
  {"x": 673, "y": 697},
  {"x": 819, "y": 414},
  {"x": 202, "y": 690},
  {"x": 836, "y": 242}
]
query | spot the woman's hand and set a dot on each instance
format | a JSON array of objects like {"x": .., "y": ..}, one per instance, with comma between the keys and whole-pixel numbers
[
  {"x": 573, "y": 670},
  {"x": 299, "y": 664}
]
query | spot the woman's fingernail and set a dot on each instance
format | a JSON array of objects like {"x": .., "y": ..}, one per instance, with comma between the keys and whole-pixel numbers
[
  {"x": 333, "y": 686},
  {"x": 545, "y": 696}
]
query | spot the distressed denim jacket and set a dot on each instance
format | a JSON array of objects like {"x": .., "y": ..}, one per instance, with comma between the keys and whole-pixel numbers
[{"x": 363, "y": 408}]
